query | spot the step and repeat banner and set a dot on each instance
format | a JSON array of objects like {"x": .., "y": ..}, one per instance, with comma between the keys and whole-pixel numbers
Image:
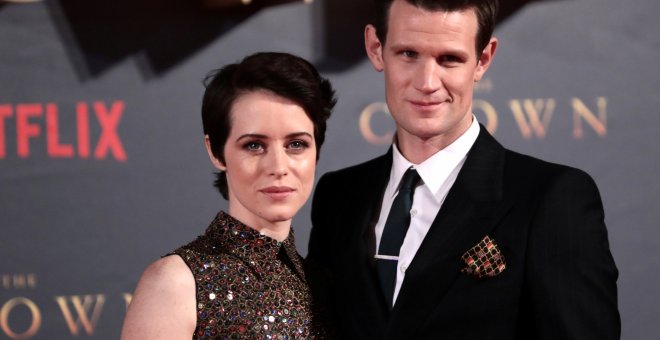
[{"x": 103, "y": 167}]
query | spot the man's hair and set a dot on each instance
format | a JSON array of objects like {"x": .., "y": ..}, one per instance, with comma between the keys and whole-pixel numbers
[
  {"x": 283, "y": 74},
  {"x": 486, "y": 11}
]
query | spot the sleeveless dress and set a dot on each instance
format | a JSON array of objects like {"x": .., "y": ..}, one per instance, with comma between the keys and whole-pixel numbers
[{"x": 248, "y": 285}]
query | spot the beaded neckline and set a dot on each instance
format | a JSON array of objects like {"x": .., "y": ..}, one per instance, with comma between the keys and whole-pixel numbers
[{"x": 229, "y": 235}]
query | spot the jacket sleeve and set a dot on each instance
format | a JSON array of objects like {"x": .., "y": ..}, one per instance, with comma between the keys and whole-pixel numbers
[
  {"x": 317, "y": 262},
  {"x": 317, "y": 239},
  {"x": 570, "y": 286}
]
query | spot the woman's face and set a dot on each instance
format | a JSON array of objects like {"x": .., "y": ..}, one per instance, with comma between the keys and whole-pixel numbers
[{"x": 270, "y": 159}]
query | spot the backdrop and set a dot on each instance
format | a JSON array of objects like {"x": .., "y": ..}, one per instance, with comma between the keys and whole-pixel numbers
[{"x": 103, "y": 168}]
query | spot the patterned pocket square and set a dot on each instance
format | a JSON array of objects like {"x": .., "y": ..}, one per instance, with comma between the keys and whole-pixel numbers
[{"x": 484, "y": 259}]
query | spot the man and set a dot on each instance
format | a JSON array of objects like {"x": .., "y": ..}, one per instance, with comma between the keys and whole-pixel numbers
[{"x": 449, "y": 235}]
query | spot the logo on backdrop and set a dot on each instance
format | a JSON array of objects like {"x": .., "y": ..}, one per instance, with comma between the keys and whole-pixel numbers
[
  {"x": 532, "y": 116},
  {"x": 38, "y": 125},
  {"x": 21, "y": 317}
]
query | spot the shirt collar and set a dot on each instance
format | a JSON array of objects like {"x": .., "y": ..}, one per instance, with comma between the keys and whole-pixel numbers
[
  {"x": 236, "y": 238},
  {"x": 435, "y": 170}
]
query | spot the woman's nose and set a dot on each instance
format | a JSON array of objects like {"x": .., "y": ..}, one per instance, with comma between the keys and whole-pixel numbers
[{"x": 277, "y": 162}]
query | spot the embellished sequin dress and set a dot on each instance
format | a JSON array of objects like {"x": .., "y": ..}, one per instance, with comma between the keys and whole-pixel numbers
[{"x": 248, "y": 285}]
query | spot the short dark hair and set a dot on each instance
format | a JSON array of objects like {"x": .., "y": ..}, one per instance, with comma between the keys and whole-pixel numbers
[
  {"x": 486, "y": 11},
  {"x": 283, "y": 74}
]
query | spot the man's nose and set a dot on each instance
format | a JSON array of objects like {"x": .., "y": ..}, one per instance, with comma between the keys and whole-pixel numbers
[{"x": 427, "y": 78}]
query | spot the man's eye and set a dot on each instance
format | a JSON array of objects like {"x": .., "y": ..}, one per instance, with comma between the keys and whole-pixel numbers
[
  {"x": 449, "y": 59},
  {"x": 409, "y": 54}
]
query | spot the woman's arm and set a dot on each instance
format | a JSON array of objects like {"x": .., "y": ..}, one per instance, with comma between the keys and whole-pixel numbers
[{"x": 163, "y": 306}]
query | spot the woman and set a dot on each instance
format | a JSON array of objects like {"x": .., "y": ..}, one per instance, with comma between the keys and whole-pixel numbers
[{"x": 264, "y": 123}]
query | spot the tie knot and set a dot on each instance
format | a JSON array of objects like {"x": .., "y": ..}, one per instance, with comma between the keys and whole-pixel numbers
[{"x": 410, "y": 180}]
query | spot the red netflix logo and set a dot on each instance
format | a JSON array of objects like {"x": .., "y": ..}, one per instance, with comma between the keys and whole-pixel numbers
[{"x": 31, "y": 118}]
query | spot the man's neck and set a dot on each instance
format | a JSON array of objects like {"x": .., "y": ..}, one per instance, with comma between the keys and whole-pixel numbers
[{"x": 416, "y": 149}]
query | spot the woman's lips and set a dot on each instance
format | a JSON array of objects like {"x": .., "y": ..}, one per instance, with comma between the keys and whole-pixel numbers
[{"x": 277, "y": 192}]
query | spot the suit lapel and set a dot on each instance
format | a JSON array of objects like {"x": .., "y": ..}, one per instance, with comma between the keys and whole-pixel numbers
[
  {"x": 367, "y": 202},
  {"x": 472, "y": 208},
  {"x": 366, "y": 293}
]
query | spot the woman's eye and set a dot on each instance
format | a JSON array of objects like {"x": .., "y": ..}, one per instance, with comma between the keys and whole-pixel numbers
[
  {"x": 297, "y": 144},
  {"x": 253, "y": 146}
]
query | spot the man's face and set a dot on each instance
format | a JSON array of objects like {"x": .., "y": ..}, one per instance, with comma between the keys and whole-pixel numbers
[{"x": 430, "y": 66}]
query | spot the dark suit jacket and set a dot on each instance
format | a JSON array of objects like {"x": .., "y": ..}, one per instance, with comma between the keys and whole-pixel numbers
[{"x": 547, "y": 219}]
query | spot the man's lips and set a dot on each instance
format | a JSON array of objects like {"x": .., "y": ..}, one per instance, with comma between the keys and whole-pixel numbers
[
  {"x": 277, "y": 192},
  {"x": 425, "y": 103}
]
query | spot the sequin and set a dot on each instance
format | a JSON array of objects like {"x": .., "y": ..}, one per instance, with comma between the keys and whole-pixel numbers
[{"x": 249, "y": 286}]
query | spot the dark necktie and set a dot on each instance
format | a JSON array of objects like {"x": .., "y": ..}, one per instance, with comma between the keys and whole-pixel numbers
[{"x": 394, "y": 232}]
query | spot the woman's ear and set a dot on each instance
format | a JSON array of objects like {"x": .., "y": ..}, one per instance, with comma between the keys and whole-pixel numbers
[{"x": 216, "y": 162}]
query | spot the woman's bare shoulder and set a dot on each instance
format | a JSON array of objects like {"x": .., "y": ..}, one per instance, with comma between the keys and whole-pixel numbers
[
  {"x": 169, "y": 272},
  {"x": 163, "y": 305}
]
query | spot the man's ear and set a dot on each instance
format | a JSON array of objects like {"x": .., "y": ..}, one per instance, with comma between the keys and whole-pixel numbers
[
  {"x": 486, "y": 59},
  {"x": 374, "y": 48},
  {"x": 216, "y": 162}
]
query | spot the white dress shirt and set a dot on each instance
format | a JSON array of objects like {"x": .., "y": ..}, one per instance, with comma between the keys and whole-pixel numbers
[{"x": 438, "y": 174}]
